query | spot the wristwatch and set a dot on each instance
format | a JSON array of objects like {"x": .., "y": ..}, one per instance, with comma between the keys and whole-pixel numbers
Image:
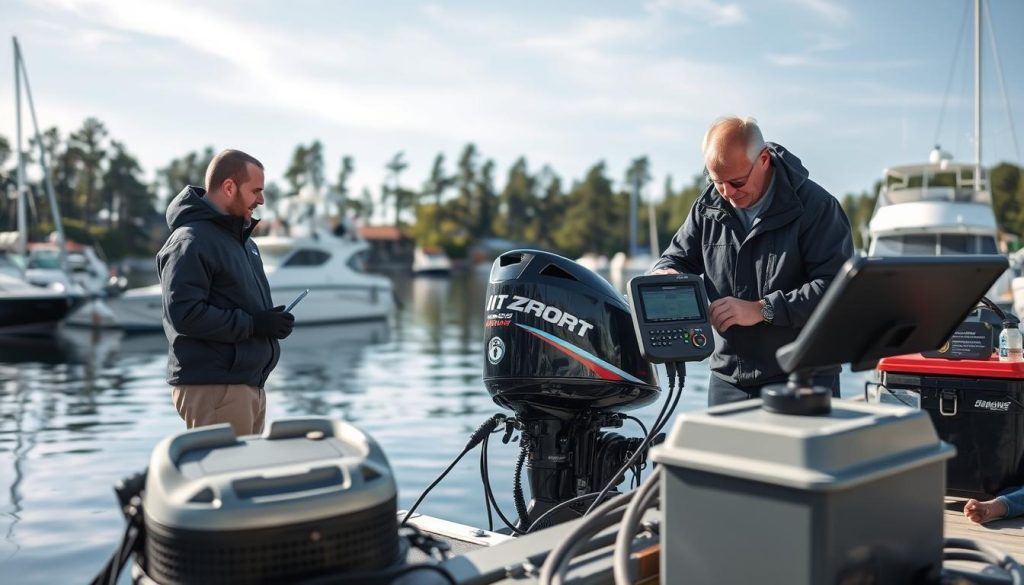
[{"x": 767, "y": 312}]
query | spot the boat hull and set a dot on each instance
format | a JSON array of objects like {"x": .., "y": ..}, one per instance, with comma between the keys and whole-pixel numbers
[
  {"x": 34, "y": 314},
  {"x": 142, "y": 312}
]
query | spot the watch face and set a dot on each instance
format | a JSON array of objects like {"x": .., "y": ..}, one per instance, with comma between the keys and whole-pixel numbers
[{"x": 767, "y": 313}]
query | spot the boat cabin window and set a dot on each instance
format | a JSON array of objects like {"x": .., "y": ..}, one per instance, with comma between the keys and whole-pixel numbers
[
  {"x": 935, "y": 244},
  {"x": 359, "y": 261},
  {"x": 304, "y": 258}
]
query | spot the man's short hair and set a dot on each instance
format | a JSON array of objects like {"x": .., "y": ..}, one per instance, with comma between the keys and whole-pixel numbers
[
  {"x": 726, "y": 131},
  {"x": 229, "y": 164}
]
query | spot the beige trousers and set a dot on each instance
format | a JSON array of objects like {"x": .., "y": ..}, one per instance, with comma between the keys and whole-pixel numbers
[{"x": 200, "y": 405}]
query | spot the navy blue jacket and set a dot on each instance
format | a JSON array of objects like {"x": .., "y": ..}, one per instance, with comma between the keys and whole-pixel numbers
[
  {"x": 788, "y": 259},
  {"x": 213, "y": 282}
]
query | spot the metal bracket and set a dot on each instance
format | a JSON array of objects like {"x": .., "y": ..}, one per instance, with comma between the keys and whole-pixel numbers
[{"x": 943, "y": 397}]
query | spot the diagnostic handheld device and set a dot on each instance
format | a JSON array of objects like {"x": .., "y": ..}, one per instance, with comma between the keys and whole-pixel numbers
[
  {"x": 670, "y": 316},
  {"x": 301, "y": 296}
]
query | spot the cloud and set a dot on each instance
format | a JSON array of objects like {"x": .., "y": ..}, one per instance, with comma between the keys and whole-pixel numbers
[
  {"x": 593, "y": 33},
  {"x": 708, "y": 11},
  {"x": 827, "y": 10},
  {"x": 268, "y": 71},
  {"x": 791, "y": 59}
]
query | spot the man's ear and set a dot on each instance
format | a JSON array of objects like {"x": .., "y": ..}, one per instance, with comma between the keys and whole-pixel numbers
[{"x": 228, "y": 187}]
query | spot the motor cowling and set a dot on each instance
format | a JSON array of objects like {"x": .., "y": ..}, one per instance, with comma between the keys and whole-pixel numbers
[{"x": 560, "y": 339}]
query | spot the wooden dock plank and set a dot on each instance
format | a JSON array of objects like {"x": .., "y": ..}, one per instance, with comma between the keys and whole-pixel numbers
[{"x": 1006, "y": 535}]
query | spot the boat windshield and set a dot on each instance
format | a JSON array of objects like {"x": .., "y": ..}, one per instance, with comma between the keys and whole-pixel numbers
[
  {"x": 934, "y": 245},
  {"x": 359, "y": 261},
  {"x": 46, "y": 260}
]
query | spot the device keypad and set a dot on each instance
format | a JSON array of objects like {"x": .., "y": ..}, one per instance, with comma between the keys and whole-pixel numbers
[{"x": 666, "y": 337}]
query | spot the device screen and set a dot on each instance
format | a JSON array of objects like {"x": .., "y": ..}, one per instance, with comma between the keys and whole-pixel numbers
[{"x": 673, "y": 302}]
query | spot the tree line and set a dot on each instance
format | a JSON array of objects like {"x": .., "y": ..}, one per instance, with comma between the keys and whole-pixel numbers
[{"x": 104, "y": 198}]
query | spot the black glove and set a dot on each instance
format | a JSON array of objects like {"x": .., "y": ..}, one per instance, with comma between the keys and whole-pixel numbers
[{"x": 273, "y": 323}]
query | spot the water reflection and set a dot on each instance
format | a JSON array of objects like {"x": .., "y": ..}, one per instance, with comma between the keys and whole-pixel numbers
[
  {"x": 67, "y": 346},
  {"x": 319, "y": 367}
]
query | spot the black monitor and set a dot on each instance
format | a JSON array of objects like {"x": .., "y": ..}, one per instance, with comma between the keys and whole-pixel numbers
[{"x": 879, "y": 307}]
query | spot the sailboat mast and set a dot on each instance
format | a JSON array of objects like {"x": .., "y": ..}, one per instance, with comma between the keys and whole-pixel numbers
[
  {"x": 977, "y": 95},
  {"x": 634, "y": 197},
  {"x": 22, "y": 220},
  {"x": 58, "y": 225}
]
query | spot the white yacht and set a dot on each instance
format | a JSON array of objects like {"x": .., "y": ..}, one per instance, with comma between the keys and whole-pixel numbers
[
  {"x": 936, "y": 208},
  {"x": 85, "y": 268},
  {"x": 331, "y": 267},
  {"x": 431, "y": 261}
]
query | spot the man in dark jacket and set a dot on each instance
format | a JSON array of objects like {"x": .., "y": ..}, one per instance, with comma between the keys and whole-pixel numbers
[
  {"x": 221, "y": 330},
  {"x": 768, "y": 241}
]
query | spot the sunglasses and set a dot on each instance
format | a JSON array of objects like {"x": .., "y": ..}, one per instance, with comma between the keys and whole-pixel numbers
[{"x": 734, "y": 183}]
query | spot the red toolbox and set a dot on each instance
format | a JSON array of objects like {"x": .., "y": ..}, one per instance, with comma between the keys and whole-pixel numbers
[{"x": 977, "y": 406}]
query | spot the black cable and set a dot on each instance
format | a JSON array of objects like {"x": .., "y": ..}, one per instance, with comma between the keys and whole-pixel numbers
[
  {"x": 967, "y": 549},
  {"x": 659, "y": 423},
  {"x": 605, "y": 515},
  {"x": 988, "y": 304},
  {"x": 517, "y": 484},
  {"x": 646, "y": 497},
  {"x": 482, "y": 432},
  {"x": 130, "y": 540},
  {"x": 489, "y": 493},
  {"x": 681, "y": 376},
  {"x": 663, "y": 416},
  {"x": 483, "y": 480},
  {"x": 643, "y": 427},
  {"x": 540, "y": 519}
]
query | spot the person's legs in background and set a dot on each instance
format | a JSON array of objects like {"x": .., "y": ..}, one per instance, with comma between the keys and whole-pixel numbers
[{"x": 199, "y": 405}]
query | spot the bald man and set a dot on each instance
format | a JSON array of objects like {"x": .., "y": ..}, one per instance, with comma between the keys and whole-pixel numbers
[{"x": 768, "y": 241}]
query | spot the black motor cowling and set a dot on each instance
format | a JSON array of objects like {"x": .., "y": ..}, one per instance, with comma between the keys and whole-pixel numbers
[{"x": 560, "y": 339}]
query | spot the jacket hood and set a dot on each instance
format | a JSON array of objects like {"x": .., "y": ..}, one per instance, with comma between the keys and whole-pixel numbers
[
  {"x": 189, "y": 206},
  {"x": 788, "y": 163}
]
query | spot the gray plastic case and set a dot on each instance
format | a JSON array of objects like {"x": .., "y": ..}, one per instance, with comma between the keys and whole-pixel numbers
[
  {"x": 207, "y": 479},
  {"x": 310, "y": 496},
  {"x": 755, "y": 497}
]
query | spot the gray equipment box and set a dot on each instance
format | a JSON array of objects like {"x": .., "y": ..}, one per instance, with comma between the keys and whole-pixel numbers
[
  {"x": 854, "y": 496},
  {"x": 308, "y": 497}
]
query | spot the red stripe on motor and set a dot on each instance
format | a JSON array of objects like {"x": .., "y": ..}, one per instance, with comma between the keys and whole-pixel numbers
[{"x": 601, "y": 372}]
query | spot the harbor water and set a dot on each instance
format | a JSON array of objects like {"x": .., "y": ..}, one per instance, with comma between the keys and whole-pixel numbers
[{"x": 80, "y": 412}]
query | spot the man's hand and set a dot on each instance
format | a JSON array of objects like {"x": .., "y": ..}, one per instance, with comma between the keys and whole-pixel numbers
[
  {"x": 729, "y": 311},
  {"x": 665, "y": 271},
  {"x": 273, "y": 323}
]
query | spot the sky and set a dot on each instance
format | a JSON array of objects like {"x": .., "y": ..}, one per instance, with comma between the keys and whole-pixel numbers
[{"x": 849, "y": 87}]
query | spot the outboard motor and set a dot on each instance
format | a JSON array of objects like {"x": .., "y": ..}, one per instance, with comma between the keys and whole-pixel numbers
[{"x": 562, "y": 354}]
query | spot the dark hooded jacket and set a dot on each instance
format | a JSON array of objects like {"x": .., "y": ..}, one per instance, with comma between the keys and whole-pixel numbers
[
  {"x": 213, "y": 282},
  {"x": 788, "y": 258}
]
